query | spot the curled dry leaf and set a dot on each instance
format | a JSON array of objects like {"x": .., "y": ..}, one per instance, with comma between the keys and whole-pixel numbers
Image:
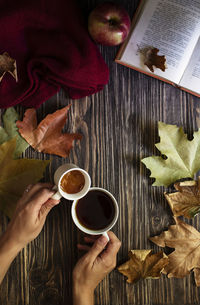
[
  {"x": 151, "y": 58},
  {"x": 47, "y": 137},
  {"x": 185, "y": 202},
  {"x": 182, "y": 157},
  {"x": 143, "y": 264},
  {"x": 185, "y": 239},
  {"x": 7, "y": 64},
  {"x": 16, "y": 175}
]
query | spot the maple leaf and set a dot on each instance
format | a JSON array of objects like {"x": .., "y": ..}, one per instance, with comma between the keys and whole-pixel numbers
[
  {"x": 185, "y": 202},
  {"x": 10, "y": 131},
  {"x": 47, "y": 136},
  {"x": 16, "y": 175},
  {"x": 143, "y": 264},
  {"x": 183, "y": 156},
  {"x": 185, "y": 239},
  {"x": 151, "y": 59},
  {"x": 7, "y": 64}
]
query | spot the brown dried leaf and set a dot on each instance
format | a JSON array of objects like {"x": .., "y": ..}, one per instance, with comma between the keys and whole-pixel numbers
[
  {"x": 197, "y": 276},
  {"x": 185, "y": 239},
  {"x": 47, "y": 137},
  {"x": 7, "y": 64},
  {"x": 143, "y": 264},
  {"x": 152, "y": 59},
  {"x": 185, "y": 202}
]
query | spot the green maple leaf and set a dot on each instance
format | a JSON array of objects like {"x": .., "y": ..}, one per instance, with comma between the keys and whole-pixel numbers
[
  {"x": 10, "y": 131},
  {"x": 183, "y": 156},
  {"x": 16, "y": 175}
]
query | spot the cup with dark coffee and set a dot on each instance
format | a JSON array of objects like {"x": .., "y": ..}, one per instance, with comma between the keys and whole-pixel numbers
[
  {"x": 96, "y": 212},
  {"x": 71, "y": 182}
]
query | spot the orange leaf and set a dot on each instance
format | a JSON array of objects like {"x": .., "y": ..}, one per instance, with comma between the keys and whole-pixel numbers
[{"x": 47, "y": 137}]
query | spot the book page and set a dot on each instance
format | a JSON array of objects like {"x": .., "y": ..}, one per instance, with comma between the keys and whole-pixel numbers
[
  {"x": 191, "y": 76},
  {"x": 172, "y": 26}
]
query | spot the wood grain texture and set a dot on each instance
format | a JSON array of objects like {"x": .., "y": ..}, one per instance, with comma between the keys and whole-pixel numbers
[{"x": 119, "y": 127}]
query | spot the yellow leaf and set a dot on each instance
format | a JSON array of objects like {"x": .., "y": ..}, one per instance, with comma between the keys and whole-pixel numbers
[
  {"x": 182, "y": 157},
  {"x": 16, "y": 175}
]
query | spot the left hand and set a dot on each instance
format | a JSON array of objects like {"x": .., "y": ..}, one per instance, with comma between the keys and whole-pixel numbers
[{"x": 30, "y": 214}]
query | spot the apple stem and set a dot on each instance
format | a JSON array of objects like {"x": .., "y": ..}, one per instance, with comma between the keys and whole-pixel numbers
[{"x": 112, "y": 22}]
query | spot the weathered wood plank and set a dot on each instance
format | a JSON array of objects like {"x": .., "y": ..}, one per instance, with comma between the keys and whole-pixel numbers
[{"x": 119, "y": 127}]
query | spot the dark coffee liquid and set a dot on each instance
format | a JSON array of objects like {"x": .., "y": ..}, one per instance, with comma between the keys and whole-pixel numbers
[{"x": 96, "y": 210}]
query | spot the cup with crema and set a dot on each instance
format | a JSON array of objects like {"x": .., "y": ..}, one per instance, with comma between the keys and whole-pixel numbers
[{"x": 71, "y": 182}]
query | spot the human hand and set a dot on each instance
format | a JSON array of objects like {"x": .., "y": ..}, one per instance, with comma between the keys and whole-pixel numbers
[
  {"x": 95, "y": 264},
  {"x": 30, "y": 214}
]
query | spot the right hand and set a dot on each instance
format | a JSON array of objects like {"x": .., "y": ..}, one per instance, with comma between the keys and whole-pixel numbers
[
  {"x": 30, "y": 214},
  {"x": 96, "y": 263}
]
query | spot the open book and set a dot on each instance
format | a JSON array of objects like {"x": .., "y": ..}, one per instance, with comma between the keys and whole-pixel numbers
[{"x": 172, "y": 26}]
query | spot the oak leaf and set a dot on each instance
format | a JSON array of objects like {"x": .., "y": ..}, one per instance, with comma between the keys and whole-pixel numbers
[
  {"x": 16, "y": 175},
  {"x": 185, "y": 202},
  {"x": 10, "y": 131},
  {"x": 7, "y": 64},
  {"x": 182, "y": 156},
  {"x": 47, "y": 137},
  {"x": 185, "y": 239},
  {"x": 143, "y": 264},
  {"x": 152, "y": 59}
]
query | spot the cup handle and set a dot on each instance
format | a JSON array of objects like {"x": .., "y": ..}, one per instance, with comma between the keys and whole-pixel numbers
[
  {"x": 57, "y": 195},
  {"x": 106, "y": 235}
]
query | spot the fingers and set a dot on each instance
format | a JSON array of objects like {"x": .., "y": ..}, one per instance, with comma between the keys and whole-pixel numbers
[
  {"x": 47, "y": 206},
  {"x": 97, "y": 248},
  {"x": 83, "y": 247},
  {"x": 91, "y": 239},
  {"x": 112, "y": 248},
  {"x": 28, "y": 188},
  {"x": 32, "y": 189},
  {"x": 40, "y": 198}
]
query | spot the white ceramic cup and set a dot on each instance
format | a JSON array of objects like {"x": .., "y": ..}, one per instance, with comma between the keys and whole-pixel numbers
[
  {"x": 58, "y": 175},
  {"x": 104, "y": 230}
]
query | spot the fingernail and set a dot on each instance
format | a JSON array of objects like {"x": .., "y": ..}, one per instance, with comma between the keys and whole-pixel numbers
[{"x": 102, "y": 240}]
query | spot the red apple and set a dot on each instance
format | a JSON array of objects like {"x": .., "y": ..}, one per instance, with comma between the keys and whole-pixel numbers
[{"x": 109, "y": 24}]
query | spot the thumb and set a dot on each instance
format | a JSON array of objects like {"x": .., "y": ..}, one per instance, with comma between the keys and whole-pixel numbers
[
  {"x": 97, "y": 248},
  {"x": 47, "y": 206}
]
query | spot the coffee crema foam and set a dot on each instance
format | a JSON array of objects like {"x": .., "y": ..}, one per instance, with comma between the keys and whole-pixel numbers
[{"x": 72, "y": 182}]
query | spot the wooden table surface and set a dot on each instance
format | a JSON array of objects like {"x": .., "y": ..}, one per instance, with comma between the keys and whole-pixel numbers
[{"x": 119, "y": 127}]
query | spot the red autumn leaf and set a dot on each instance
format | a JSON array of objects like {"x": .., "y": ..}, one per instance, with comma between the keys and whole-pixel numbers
[{"x": 47, "y": 137}]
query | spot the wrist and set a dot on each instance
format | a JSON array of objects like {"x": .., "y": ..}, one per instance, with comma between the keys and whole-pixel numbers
[
  {"x": 82, "y": 295},
  {"x": 9, "y": 245},
  {"x": 8, "y": 251}
]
